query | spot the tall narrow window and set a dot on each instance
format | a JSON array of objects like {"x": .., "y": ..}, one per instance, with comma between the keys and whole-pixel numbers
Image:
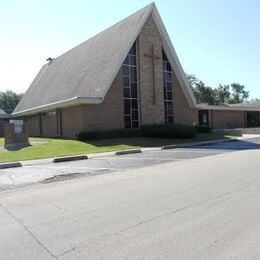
[
  {"x": 167, "y": 89},
  {"x": 130, "y": 90}
]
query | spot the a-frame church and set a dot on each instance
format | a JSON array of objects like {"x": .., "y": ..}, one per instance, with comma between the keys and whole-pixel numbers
[{"x": 124, "y": 77}]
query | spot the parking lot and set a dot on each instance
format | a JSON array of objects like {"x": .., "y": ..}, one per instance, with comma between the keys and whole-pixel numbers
[{"x": 49, "y": 172}]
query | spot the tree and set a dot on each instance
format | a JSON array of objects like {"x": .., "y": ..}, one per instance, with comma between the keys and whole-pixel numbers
[
  {"x": 9, "y": 100},
  {"x": 203, "y": 93},
  {"x": 230, "y": 94},
  {"x": 223, "y": 93},
  {"x": 238, "y": 94}
]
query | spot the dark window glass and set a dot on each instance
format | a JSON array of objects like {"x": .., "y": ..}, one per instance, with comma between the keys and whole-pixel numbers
[
  {"x": 133, "y": 90},
  {"x": 164, "y": 65},
  {"x": 127, "y": 106},
  {"x": 167, "y": 89},
  {"x": 126, "y": 81},
  {"x": 169, "y": 95},
  {"x": 169, "y": 85},
  {"x": 170, "y": 107},
  {"x": 169, "y": 76},
  {"x": 132, "y": 60},
  {"x": 168, "y": 66},
  {"x": 126, "y": 92},
  {"x": 130, "y": 90},
  {"x": 134, "y": 103},
  {"x": 133, "y": 74},
  {"x": 125, "y": 70},
  {"x": 253, "y": 119},
  {"x": 134, "y": 115}
]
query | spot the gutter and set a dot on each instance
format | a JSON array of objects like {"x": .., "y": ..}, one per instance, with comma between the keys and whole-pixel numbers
[
  {"x": 227, "y": 108},
  {"x": 59, "y": 104}
]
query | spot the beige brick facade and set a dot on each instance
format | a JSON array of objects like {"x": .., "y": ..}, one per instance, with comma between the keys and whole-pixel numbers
[
  {"x": 220, "y": 119},
  {"x": 150, "y": 36},
  {"x": 183, "y": 113},
  {"x": 33, "y": 125}
]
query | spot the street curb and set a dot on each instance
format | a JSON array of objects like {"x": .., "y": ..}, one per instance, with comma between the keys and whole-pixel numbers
[
  {"x": 70, "y": 158},
  {"x": 128, "y": 152},
  {"x": 174, "y": 146},
  {"x": 10, "y": 165}
]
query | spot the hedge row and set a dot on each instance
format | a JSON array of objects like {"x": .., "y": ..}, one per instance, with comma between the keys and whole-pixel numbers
[
  {"x": 156, "y": 130},
  {"x": 203, "y": 129},
  {"x": 169, "y": 131}
]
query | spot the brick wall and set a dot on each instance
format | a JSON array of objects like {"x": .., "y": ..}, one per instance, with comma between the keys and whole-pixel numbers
[
  {"x": 72, "y": 121},
  {"x": 150, "y": 113},
  {"x": 33, "y": 125},
  {"x": 183, "y": 113},
  {"x": 109, "y": 114},
  {"x": 49, "y": 126},
  {"x": 226, "y": 119}
]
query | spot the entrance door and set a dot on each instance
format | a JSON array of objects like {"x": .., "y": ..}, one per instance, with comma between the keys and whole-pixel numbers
[
  {"x": 253, "y": 119},
  {"x": 203, "y": 117}
]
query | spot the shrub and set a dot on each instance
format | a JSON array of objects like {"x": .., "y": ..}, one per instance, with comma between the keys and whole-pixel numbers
[
  {"x": 203, "y": 129},
  {"x": 109, "y": 134},
  {"x": 169, "y": 131}
]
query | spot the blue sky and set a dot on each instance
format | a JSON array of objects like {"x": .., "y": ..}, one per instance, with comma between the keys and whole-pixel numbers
[{"x": 217, "y": 40}]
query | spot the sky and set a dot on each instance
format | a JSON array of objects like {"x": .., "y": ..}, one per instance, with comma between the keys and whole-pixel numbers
[{"x": 216, "y": 40}]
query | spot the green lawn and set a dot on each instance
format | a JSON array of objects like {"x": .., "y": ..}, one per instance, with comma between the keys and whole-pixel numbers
[{"x": 61, "y": 147}]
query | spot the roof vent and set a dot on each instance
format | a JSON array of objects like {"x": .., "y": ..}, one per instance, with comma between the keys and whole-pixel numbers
[{"x": 50, "y": 60}]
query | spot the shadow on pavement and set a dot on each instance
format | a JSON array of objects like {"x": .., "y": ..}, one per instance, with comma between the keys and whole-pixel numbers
[{"x": 233, "y": 145}]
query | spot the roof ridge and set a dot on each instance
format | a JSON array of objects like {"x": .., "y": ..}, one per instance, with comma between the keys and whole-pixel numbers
[{"x": 147, "y": 7}]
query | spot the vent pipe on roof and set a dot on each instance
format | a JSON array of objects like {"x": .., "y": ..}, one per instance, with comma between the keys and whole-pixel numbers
[{"x": 50, "y": 60}]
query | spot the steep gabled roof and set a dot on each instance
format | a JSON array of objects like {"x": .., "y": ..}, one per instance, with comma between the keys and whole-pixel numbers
[{"x": 85, "y": 73}]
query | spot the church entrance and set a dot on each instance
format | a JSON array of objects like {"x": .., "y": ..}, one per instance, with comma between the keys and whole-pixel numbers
[
  {"x": 203, "y": 117},
  {"x": 253, "y": 119}
]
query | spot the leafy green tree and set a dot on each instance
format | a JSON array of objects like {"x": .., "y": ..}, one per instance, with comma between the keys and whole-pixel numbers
[
  {"x": 9, "y": 100},
  {"x": 238, "y": 94},
  {"x": 230, "y": 94},
  {"x": 203, "y": 93},
  {"x": 223, "y": 93}
]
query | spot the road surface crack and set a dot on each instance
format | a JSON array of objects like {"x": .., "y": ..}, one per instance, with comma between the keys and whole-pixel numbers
[
  {"x": 11, "y": 178},
  {"x": 66, "y": 252},
  {"x": 28, "y": 231}
]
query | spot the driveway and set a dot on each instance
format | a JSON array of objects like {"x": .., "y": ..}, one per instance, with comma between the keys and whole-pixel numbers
[{"x": 49, "y": 172}]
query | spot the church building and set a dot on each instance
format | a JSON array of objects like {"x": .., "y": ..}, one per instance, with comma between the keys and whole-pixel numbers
[{"x": 124, "y": 77}]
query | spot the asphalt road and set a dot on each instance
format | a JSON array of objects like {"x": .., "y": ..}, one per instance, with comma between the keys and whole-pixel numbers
[
  {"x": 204, "y": 208},
  {"x": 13, "y": 177}
]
